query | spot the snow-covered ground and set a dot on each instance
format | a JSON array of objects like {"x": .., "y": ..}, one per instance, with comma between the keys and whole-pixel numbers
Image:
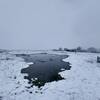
[{"x": 82, "y": 82}]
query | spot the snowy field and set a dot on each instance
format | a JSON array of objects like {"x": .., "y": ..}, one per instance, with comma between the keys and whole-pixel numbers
[{"x": 82, "y": 82}]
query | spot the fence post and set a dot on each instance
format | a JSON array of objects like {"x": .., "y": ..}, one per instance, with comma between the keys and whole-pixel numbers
[{"x": 98, "y": 59}]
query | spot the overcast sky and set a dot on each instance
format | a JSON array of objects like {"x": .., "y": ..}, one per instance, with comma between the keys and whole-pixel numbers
[{"x": 46, "y": 24}]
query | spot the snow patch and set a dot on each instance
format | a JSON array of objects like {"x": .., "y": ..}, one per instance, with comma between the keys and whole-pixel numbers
[{"x": 82, "y": 82}]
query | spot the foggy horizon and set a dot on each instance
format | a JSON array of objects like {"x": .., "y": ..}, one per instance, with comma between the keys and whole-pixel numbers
[{"x": 49, "y": 24}]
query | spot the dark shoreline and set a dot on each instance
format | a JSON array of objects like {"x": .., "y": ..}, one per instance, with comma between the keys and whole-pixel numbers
[{"x": 45, "y": 68}]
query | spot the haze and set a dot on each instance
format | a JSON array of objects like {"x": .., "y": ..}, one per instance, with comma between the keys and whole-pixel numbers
[{"x": 47, "y": 24}]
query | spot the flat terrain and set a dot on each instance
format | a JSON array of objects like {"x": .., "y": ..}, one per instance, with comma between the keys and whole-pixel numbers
[{"x": 81, "y": 82}]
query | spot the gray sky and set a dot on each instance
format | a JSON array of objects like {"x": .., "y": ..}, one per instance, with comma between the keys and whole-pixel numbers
[{"x": 46, "y": 24}]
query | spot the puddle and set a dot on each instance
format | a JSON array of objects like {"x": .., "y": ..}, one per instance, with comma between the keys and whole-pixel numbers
[{"x": 45, "y": 68}]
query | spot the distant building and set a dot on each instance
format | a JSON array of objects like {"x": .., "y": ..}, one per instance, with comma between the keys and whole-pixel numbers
[{"x": 92, "y": 49}]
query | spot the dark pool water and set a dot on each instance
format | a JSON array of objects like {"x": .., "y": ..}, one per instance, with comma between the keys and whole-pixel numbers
[{"x": 45, "y": 68}]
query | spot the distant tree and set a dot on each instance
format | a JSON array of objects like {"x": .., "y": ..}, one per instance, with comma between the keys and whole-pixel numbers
[
  {"x": 60, "y": 49},
  {"x": 79, "y": 48},
  {"x": 2, "y": 50}
]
